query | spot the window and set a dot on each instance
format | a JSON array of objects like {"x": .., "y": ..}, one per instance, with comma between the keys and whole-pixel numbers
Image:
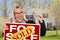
[
  {"x": 45, "y": 15},
  {"x": 49, "y": 25},
  {"x": 30, "y": 17}
]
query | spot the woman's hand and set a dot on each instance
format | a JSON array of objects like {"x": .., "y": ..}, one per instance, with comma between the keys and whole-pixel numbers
[{"x": 39, "y": 17}]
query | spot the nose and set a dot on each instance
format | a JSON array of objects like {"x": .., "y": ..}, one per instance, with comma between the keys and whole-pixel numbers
[{"x": 20, "y": 14}]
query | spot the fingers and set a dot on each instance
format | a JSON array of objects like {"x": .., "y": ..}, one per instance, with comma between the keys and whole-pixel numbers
[{"x": 38, "y": 15}]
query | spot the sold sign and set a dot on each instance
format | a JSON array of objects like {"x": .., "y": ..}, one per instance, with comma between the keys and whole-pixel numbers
[{"x": 22, "y": 32}]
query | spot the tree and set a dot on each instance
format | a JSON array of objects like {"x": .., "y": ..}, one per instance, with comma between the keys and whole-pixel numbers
[
  {"x": 3, "y": 8},
  {"x": 55, "y": 8},
  {"x": 19, "y": 2}
]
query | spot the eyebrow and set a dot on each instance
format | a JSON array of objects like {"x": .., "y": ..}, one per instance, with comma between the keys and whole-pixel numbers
[
  {"x": 18, "y": 13},
  {"x": 21, "y": 12}
]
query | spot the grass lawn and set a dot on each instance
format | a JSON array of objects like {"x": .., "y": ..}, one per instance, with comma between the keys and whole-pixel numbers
[{"x": 50, "y": 35}]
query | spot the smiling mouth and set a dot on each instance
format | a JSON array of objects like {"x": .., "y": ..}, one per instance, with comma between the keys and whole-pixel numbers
[{"x": 20, "y": 17}]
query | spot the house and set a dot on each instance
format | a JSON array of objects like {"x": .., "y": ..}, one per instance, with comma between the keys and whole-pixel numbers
[{"x": 48, "y": 16}]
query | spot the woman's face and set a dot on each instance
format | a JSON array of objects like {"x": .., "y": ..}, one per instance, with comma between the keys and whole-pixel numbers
[{"x": 18, "y": 15}]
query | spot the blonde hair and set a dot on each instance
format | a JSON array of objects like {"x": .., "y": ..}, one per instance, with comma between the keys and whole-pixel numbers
[
  {"x": 12, "y": 19},
  {"x": 16, "y": 7}
]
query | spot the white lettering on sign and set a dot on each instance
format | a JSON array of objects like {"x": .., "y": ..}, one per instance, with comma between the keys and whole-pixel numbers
[{"x": 15, "y": 27}]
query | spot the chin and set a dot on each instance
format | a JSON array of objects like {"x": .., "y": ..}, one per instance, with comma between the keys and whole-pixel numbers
[{"x": 20, "y": 21}]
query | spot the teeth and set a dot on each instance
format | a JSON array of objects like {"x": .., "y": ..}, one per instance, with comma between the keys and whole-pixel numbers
[{"x": 19, "y": 17}]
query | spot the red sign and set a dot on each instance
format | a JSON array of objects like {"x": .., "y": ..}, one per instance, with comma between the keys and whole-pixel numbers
[{"x": 22, "y": 32}]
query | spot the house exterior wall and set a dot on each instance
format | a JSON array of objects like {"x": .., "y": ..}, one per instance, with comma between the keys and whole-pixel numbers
[{"x": 49, "y": 19}]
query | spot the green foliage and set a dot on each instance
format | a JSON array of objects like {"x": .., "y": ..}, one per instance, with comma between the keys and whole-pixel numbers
[{"x": 33, "y": 6}]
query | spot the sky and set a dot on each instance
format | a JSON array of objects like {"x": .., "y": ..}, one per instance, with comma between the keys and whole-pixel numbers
[{"x": 10, "y": 5}]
